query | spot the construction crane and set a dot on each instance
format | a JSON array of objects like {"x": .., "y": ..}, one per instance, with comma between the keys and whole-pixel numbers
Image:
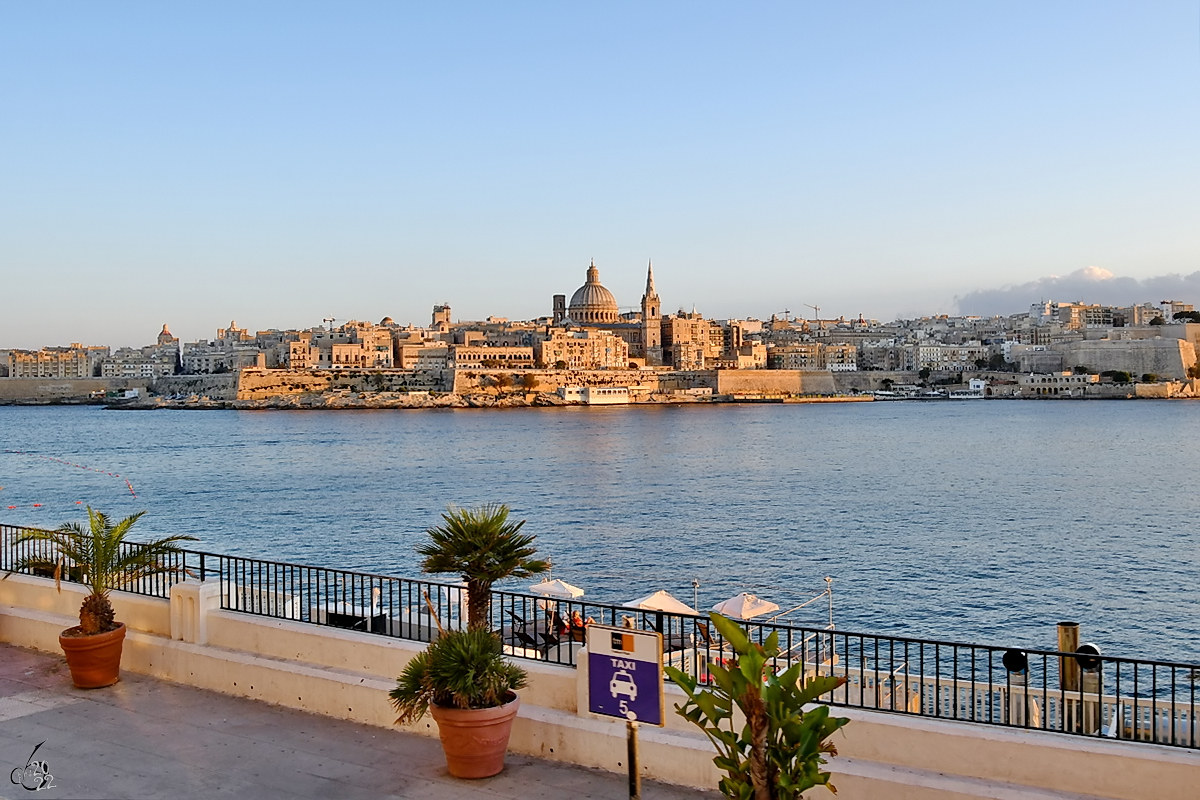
[
  {"x": 330, "y": 321},
  {"x": 816, "y": 312},
  {"x": 786, "y": 312}
]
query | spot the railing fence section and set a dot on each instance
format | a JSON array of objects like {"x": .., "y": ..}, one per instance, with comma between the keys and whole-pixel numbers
[{"x": 1083, "y": 694}]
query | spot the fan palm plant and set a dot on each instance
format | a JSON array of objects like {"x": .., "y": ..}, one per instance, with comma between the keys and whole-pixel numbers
[
  {"x": 104, "y": 559},
  {"x": 482, "y": 546}
]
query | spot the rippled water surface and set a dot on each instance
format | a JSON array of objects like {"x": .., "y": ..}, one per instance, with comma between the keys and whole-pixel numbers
[{"x": 978, "y": 521}]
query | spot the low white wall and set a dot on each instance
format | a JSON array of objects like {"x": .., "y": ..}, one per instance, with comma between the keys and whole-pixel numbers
[{"x": 346, "y": 674}]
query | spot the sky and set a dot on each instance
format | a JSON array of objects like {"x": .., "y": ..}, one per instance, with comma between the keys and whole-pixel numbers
[{"x": 280, "y": 163}]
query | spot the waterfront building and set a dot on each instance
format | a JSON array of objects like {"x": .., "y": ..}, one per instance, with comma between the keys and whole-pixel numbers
[
  {"x": 950, "y": 358},
  {"x": 75, "y": 361},
  {"x": 572, "y": 348},
  {"x": 593, "y": 307},
  {"x": 154, "y": 361},
  {"x": 233, "y": 348},
  {"x": 689, "y": 340},
  {"x": 490, "y": 357},
  {"x": 1056, "y": 384},
  {"x": 353, "y": 345},
  {"x": 814, "y": 356}
]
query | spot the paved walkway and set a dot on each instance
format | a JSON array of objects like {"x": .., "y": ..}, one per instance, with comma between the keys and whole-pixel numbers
[{"x": 146, "y": 738}]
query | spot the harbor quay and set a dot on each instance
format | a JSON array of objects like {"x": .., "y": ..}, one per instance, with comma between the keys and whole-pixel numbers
[{"x": 928, "y": 719}]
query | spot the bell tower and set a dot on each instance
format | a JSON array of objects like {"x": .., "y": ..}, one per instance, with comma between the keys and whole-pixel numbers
[{"x": 651, "y": 321}]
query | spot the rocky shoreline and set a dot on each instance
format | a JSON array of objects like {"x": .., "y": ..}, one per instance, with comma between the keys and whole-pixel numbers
[{"x": 369, "y": 400}]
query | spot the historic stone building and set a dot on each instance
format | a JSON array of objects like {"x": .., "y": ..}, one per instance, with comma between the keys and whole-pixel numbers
[{"x": 594, "y": 307}]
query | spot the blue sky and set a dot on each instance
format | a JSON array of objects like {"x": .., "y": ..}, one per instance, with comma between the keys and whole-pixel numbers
[{"x": 280, "y": 163}]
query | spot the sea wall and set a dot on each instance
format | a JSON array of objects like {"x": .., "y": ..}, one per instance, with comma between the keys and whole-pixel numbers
[
  {"x": 467, "y": 381},
  {"x": 772, "y": 381},
  {"x": 67, "y": 390},
  {"x": 260, "y": 384},
  {"x": 872, "y": 380},
  {"x": 216, "y": 387}
]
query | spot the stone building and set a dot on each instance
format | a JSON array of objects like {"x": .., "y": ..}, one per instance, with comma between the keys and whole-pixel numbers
[
  {"x": 594, "y": 307},
  {"x": 814, "y": 356},
  {"x": 581, "y": 349},
  {"x": 75, "y": 361},
  {"x": 689, "y": 340},
  {"x": 354, "y": 345},
  {"x": 155, "y": 361},
  {"x": 490, "y": 357}
]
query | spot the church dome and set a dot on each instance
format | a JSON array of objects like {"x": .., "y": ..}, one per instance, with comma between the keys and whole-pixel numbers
[{"x": 591, "y": 302}]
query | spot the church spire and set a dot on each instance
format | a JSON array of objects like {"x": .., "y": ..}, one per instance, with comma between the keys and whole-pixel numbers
[{"x": 650, "y": 279}]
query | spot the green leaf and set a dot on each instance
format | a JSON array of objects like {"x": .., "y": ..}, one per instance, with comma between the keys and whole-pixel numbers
[{"x": 731, "y": 632}]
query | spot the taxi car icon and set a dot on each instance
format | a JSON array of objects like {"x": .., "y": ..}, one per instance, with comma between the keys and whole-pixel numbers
[{"x": 622, "y": 684}]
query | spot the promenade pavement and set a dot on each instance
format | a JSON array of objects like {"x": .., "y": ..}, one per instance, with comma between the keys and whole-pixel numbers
[{"x": 147, "y": 738}]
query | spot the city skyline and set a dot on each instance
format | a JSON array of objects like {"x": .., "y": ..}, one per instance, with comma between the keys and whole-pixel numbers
[{"x": 282, "y": 164}]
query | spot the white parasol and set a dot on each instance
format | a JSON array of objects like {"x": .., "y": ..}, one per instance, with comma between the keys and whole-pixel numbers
[
  {"x": 557, "y": 589},
  {"x": 661, "y": 601},
  {"x": 745, "y": 606}
]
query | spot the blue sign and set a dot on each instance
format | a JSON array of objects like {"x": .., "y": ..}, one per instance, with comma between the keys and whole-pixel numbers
[{"x": 625, "y": 676}]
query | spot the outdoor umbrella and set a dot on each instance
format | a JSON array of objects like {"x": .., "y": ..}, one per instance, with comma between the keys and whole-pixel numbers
[
  {"x": 745, "y": 606},
  {"x": 661, "y": 601},
  {"x": 558, "y": 589}
]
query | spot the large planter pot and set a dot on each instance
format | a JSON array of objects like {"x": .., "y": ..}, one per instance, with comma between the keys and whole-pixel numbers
[
  {"x": 95, "y": 660},
  {"x": 475, "y": 739}
]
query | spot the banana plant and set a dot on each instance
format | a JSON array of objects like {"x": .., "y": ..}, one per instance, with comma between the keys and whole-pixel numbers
[{"x": 779, "y": 751}]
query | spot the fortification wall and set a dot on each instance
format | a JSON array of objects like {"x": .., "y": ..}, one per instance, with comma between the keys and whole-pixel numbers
[
  {"x": 774, "y": 381},
  {"x": 261, "y": 384},
  {"x": 1167, "y": 358},
  {"x": 549, "y": 380},
  {"x": 871, "y": 380},
  {"x": 54, "y": 390},
  {"x": 217, "y": 387}
]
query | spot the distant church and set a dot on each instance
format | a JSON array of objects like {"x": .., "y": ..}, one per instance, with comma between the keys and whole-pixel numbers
[{"x": 593, "y": 306}]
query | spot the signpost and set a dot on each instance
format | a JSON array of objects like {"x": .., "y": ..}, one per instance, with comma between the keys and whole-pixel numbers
[{"x": 625, "y": 680}]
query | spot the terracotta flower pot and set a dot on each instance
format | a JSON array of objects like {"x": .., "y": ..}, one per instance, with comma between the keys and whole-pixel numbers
[
  {"x": 95, "y": 660},
  {"x": 475, "y": 739}
]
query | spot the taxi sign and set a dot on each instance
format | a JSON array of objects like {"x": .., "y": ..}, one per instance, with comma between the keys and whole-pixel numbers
[{"x": 625, "y": 674}]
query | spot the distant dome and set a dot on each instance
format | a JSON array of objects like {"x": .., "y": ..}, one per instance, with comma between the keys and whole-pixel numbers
[
  {"x": 387, "y": 321},
  {"x": 591, "y": 302}
]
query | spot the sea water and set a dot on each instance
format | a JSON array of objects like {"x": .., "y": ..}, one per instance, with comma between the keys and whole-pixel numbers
[{"x": 984, "y": 521}]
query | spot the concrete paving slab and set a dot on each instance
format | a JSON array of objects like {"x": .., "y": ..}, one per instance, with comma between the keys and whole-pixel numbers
[{"x": 145, "y": 738}]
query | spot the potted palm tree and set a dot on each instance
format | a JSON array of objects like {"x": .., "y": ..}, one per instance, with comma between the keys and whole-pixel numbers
[
  {"x": 463, "y": 680},
  {"x": 104, "y": 561},
  {"x": 482, "y": 546}
]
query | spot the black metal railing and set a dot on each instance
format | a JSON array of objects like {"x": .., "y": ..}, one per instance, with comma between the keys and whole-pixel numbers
[{"x": 1084, "y": 694}]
